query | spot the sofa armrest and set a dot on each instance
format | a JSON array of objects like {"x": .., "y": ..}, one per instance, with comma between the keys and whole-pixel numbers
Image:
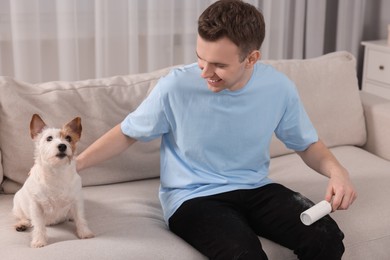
[
  {"x": 377, "y": 116},
  {"x": 1, "y": 173}
]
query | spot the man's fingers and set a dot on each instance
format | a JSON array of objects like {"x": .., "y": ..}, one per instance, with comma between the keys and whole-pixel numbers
[{"x": 342, "y": 200}]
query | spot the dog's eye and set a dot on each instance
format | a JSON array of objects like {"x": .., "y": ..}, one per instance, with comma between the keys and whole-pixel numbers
[
  {"x": 49, "y": 138},
  {"x": 68, "y": 138}
]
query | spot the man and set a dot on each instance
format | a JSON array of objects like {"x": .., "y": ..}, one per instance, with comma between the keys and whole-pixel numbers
[{"x": 216, "y": 119}]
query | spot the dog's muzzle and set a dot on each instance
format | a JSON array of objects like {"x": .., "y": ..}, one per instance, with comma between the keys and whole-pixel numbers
[{"x": 62, "y": 150}]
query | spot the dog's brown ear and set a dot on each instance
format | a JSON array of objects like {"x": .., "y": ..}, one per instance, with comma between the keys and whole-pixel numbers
[
  {"x": 36, "y": 125},
  {"x": 75, "y": 126}
]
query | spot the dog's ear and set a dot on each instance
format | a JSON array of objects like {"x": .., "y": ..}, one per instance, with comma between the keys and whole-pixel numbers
[
  {"x": 75, "y": 126},
  {"x": 36, "y": 125}
]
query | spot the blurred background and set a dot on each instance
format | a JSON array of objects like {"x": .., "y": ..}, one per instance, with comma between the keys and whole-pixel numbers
[{"x": 45, "y": 40}]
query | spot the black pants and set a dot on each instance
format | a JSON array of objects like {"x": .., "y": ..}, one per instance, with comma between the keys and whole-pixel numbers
[{"x": 227, "y": 225}]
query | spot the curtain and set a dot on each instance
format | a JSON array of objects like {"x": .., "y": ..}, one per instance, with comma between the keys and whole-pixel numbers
[{"x": 44, "y": 40}]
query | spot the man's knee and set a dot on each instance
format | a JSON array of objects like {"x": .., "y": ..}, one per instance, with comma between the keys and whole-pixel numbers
[
  {"x": 327, "y": 248},
  {"x": 324, "y": 242}
]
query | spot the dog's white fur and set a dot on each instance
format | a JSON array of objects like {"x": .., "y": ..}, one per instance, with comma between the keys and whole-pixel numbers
[{"x": 52, "y": 192}]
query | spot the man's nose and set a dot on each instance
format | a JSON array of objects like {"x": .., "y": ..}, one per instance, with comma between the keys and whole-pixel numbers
[{"x": 207, "y": 71}]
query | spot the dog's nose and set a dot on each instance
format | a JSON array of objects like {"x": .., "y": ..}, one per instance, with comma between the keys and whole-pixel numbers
[{"x": 62, "y": 148}]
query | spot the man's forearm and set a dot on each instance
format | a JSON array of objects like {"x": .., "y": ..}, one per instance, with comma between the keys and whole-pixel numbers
[
  {"x": 110, "y": 144},
  {"x": 318, "y": 157}
]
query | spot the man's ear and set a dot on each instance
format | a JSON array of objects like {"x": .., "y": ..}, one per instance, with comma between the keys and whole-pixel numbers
[{"x": 252, "y": 58}]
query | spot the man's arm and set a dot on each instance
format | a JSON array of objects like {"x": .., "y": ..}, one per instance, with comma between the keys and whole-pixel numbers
[
  {"x": 340, "y": 190},
  {"x": 110, "y": 144}
]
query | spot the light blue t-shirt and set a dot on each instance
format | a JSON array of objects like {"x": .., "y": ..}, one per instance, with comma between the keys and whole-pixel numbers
[{"x": 218, "y": 142}]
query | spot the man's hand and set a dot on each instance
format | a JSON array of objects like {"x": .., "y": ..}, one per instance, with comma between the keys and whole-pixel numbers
[{"x": 340, "y": 192}]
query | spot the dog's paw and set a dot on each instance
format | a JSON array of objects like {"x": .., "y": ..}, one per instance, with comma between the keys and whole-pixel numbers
[
  {"x": 20, "y": 228},
  {"x": 85, "y": 233},
  {"x": 37, "y": 243},
  {"x": 22, "y": 225}
]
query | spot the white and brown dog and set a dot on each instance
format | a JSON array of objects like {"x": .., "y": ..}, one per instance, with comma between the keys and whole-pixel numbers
[{"x": 52, "y": 192}]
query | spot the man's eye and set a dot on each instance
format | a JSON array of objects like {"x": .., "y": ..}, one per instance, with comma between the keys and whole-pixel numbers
[
  {"x": 49, "y": 138},
  {"x": 68, "y": 138}
]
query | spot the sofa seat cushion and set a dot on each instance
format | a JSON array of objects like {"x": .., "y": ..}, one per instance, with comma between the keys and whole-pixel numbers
[{"x": 128, "y": 221}]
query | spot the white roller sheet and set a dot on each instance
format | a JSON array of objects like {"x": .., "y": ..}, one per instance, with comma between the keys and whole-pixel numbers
[{"x": 316, "y": 212}]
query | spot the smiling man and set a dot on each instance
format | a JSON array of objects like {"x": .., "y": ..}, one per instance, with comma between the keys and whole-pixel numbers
[
  {"x": 216, "y": 118},
  {"x": 222, "y": 66}
]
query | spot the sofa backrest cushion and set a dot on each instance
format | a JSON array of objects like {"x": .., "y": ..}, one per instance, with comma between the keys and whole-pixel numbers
[
  {"x": 327, "y": 85},
  {"x": 329, "y": 90},
  {"x": 101, "y": 104}
]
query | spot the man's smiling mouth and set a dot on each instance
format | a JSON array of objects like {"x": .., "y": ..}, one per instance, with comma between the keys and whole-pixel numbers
[{"x": 214, "y": 80}]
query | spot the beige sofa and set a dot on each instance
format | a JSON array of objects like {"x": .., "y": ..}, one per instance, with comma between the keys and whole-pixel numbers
[{"x": 121, "y": 195}]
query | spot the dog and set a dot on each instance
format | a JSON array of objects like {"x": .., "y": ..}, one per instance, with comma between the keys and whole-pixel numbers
[{"x": 52, "y": 192}]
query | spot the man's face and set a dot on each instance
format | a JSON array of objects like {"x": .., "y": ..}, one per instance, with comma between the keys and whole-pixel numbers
[{"x": 221, "y": 66}]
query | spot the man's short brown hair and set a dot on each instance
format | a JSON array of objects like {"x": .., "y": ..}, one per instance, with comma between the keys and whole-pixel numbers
[{"x": 240, "y": 22}]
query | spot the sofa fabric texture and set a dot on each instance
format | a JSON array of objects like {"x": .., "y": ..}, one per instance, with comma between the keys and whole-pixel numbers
[{"x": 121, "y": 194}]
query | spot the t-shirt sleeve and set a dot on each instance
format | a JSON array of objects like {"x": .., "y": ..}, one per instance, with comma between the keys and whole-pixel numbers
[
  {"x": 295, "y": 129},
  {"x": 148, "y": 121}
]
